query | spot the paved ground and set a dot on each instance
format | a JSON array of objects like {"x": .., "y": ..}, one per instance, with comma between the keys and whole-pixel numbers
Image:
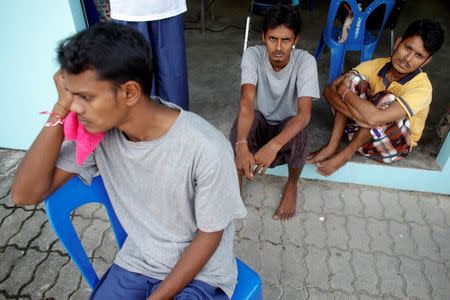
[{"x": 347, "y": 242}]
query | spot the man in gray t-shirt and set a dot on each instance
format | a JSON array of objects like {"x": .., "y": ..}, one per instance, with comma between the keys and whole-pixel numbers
[
  {"x": 168, "y": 172},
  {"x": 277, "y": 87}
]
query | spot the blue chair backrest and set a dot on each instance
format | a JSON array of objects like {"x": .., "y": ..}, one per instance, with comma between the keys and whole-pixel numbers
[
  {"x": 59, "y": 207},
  {"x": 74, "y": 194},
  {"x": 356, "y": 36}
]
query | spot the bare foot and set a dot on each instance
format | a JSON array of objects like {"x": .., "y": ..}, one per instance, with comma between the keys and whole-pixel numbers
[
  {"x": 319, "y": 155},
  {"x": 329, "y": 166},
  {"x": 288, "y": 202}
]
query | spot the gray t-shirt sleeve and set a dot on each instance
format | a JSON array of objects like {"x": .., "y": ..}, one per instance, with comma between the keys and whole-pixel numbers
[
  {"x": 217, "y": 196},
  {"x": 249, "y": 67},
  {"x": 66, "y": 161},
  {"x": 307, "y": 79}
]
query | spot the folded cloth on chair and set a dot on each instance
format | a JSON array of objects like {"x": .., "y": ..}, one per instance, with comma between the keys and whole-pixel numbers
[{"x": 85, "y": 141}]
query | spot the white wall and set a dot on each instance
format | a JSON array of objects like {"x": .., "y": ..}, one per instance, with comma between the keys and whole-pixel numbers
[{"x": 29, "y": 33}]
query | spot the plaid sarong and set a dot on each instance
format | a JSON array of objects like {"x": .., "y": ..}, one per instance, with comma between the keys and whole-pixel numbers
[{"x": 390, "y": 142}]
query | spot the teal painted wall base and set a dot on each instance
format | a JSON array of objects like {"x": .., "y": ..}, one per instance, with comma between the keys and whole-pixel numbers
[{"x": 387, "y": 176}]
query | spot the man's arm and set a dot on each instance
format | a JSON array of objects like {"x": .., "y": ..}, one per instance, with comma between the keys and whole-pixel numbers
[
  {"x": 364, "y": 112},
  {"x": 244, "y": 159},
  {"x": 194, "y": 258},
  {"x": 334, "y": 98},
  {"x": 36, "y": 175},
  {"x": 266, "y": 155}
]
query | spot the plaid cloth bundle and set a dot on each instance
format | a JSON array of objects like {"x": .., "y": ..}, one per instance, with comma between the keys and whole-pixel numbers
[{"x": 390, "y": 142}]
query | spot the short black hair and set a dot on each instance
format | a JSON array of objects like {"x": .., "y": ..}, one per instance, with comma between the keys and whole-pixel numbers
[
  {"x": 116, "y": 52},
  {"x": 431, "y": 33},
  {"x": 282, "y": 15}
]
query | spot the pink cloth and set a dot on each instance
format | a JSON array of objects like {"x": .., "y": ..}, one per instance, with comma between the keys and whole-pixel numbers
[{"x": 85, "y": 141}]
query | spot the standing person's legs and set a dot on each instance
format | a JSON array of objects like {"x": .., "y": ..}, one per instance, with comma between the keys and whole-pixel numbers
[
  {"x": 166, "y": 38},
  {"x": 142, "y": 27},
  {"x": 169, "y": 51}
]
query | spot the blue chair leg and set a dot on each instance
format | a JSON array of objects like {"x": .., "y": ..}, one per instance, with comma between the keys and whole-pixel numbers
[
  {"x": 336, "y": 62},
  {"x": 367, "y": 52},
  {"x": 319, "y": 47},
  {"x": 69, "y": 238}
]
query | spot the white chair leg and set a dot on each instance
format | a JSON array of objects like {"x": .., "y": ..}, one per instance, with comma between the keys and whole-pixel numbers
[
  {"x": 247, "y": 29},
  {"x": 392, "y": 40}
]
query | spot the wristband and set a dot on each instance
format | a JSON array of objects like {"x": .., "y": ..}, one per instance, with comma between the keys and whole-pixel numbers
[
  {"x": 59, "y": 119},
  {"x": 241, "y": 142}
]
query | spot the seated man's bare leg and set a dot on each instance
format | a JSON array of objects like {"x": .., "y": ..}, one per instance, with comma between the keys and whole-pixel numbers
[
  {"x": 288, "y": 203},
  {"x": 329, "y": 166},
  {"x": 330, "y": 149}
]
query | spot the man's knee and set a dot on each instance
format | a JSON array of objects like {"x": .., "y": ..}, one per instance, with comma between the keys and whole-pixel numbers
[
  {"x": 360, "y": 85},
  {"x": 118, "y": 283}
]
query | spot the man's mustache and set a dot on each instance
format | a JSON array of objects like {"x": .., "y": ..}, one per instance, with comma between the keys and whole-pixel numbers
[{"x": 405, "y": 63}]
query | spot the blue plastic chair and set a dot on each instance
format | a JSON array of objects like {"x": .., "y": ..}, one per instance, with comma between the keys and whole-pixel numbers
[
  {"x": 359, "y": 39},
  {"x": 75, "y": 193}
]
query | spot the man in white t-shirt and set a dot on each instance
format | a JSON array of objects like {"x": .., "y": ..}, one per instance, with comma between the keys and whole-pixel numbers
[
  {"x": 161, "y": 23},
  {"x": 277, "y": 87}
]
